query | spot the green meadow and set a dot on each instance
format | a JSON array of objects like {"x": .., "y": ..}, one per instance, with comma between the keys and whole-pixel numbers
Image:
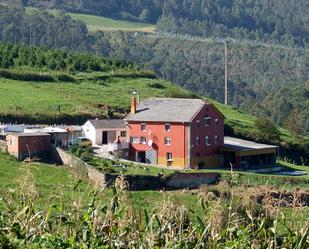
[{"x": 100, "y": 23}]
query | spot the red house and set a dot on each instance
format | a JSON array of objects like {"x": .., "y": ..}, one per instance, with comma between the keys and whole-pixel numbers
[{"x": 175, "y": 132}]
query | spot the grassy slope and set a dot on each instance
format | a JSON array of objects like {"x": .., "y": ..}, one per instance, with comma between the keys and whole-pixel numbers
[
  {"x": 86, "y": 96},
  {"x": 96, "y": 23}
]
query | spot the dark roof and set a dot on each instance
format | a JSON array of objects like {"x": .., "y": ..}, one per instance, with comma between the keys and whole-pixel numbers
[
  {"x": 108, "y": 123},
  {"x": 166, "y": 110},
  {"x": 36, "y": 134},
  {"x": 243, "y": 145}
]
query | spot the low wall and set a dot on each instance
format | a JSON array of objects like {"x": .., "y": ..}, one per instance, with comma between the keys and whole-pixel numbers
[
  {"x": 84, "y": 170},
  {"x": 134, "y": 182},
  {"x": 191, "y": 180}
]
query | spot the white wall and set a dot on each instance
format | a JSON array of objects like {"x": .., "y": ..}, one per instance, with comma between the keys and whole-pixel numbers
[{"x": 90, "y": 132}]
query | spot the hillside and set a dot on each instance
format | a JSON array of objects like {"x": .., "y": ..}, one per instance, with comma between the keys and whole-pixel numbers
[
  {"x": 54, "y": 86},
  {"x": 257, "y": 70},
  {"x": 276, "y": 21}
]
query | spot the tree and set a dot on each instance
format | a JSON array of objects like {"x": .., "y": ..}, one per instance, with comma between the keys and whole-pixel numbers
[
  {"x": 294, "y": 123},
  {"x": 267, "y": 131}
]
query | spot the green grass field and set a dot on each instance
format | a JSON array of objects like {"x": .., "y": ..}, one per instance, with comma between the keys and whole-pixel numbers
[{"x": 97, "y": 23}]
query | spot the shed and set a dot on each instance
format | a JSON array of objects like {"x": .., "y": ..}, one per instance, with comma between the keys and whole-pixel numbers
[
  {"x": 246, "y": 154},
  {"x": 23, "y": 145}
]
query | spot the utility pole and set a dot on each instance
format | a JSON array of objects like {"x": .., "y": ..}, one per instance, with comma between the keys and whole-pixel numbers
[{"x": 225, "y": 74}]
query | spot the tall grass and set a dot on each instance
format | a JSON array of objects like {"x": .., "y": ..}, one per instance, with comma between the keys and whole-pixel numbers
[{"x": 228, "y": 221}]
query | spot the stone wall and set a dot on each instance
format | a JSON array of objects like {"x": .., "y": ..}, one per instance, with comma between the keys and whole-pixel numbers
[
  {"x": 84, "y": 170},
  {"x": 134, "y": 182}
]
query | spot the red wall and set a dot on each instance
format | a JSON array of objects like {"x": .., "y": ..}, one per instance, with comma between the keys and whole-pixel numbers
[
  {"x": 202, "y": 131},
  {"x": 177, "y": 134}
]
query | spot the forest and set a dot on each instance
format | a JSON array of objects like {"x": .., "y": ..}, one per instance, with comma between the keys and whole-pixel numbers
[{"x": 277, "y": 21}]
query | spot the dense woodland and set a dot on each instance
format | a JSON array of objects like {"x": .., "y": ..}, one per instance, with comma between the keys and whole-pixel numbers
[
  {"x": 282, "y": 21},
  {"x": 39, "y": 28},
  {"x": 277, "y": 21}
]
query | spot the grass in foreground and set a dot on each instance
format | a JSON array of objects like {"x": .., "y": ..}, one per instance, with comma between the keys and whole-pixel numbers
[{"x": 44, "y": 210}]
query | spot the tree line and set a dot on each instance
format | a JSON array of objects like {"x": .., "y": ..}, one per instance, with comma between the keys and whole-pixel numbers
[{"x": 20, "y": 55}]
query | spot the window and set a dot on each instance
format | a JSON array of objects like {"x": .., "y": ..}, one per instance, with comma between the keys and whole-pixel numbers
[
  {"x": 216, "y": 139},
  {"x": 217, "y": 122},
  {"x": 167, "y": 127},
  {"x": 123, "y": 134},
  {"x": 134, "y": 140},
  {"x": 143, "y": 140},
  {"x": 207, "y": 120},
  {"x": 207, "y": 140},
  {"x": 167, "y": 140},
  {"x": 198, "y": 123},
  {"x": 11, "y": 141},
  {"x": 197, "y": 141},
  {"x": 169, "y": 156},
  {"x": 143, "y": 127}
]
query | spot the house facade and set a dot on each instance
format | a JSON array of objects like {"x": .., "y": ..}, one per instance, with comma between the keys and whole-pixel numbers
[
  {"x": 103, "y": 132},
  {"x": 175, "y": 132},
  {"x": 23, "y": 145}
]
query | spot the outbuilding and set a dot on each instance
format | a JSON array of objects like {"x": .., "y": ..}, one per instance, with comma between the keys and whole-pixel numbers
[
  {"x": 105, "y": 131},
  {"x": 247, "y": 155},
  {"x": 23, "y": 145}
]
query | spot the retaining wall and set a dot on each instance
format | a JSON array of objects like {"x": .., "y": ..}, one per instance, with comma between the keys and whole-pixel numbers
[
  {"x": 84, "y": 170},
  {"x": 134, "y": 182}
]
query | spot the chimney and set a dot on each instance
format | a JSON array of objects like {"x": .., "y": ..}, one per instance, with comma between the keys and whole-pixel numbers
[{"x": 133, "y": 105}]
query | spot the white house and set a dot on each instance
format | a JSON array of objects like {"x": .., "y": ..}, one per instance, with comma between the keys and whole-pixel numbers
[{"x": 105, "y": 131}]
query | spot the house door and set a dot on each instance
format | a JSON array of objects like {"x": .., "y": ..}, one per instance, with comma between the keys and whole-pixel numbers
[
  {"x": 141, "y": 157},
  {"x": 104, "y": 137}
]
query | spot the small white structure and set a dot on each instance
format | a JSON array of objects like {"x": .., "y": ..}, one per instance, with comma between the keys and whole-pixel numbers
[{"x": 105, "y": 131}]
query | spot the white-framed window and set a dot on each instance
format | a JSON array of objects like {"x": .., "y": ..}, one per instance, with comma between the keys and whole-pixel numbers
[
  {"x": 123, "y": 134},
  {"x": 198, "y": 123},
  {"x": 207, "y": 140},
  {"x": 197, "y": 141},
  {"x": 143, "y": 127},
  {"x": 134, "y": 140},
  {"x": 207, "y": 121},
  {"x": 143, "y": 140},
  {"x": 167, "y": 141},
  {"x": 216, "y": 122},
  {"x": 169, "y": 156},
  {"x": 216, "y": 139},
  {"x": 167, "y": 127}
]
